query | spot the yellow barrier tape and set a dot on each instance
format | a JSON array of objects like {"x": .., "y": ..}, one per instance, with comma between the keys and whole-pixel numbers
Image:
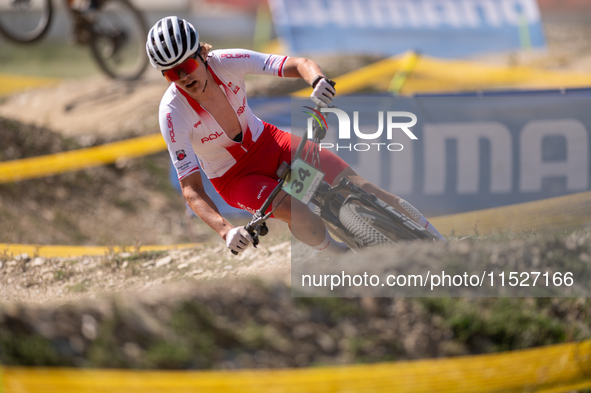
[
  {"x": 559, "y": 212},
  {"x": 428, "y": 75},
  {"x": 378, "y": 72},
  {"x": 74, "y": 251},
  {"x": 552, "y": 213},
  {"x": 439, "y": 75},
  {"x": 539, "y": 369},
  {"x": 434, "y": 75},
  {"x": 408, "y": 64},
  {"x": 53, "y": 164},
  {"x": 12, "y": 83},
  {"x": 568, "y": 387}
]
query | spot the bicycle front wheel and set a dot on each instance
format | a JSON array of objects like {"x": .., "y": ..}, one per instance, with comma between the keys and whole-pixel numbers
[
  {"x": 118, "y": 40},
  {"x": 371, "y": 227},
  {"x": 25, "y": 21}
]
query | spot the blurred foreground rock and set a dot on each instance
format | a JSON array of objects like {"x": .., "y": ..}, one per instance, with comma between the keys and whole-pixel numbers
[{"x": 253, "y": 324}]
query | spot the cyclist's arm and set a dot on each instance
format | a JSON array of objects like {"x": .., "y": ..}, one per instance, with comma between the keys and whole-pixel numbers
[
  {"x": 300, "y": 67},
  {"x": 202, "y": 205}
]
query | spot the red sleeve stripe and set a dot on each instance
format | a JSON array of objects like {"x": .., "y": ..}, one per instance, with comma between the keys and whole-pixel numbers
[
  {"x": 181, "y": 177},
  {"x": 281, "y": 66}
]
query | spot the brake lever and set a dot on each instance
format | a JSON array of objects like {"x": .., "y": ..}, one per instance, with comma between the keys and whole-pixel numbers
[{"x": 319, "y": 132}]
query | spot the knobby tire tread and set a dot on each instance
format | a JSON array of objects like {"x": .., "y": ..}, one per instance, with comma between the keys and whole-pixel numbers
[
  {"x": 364, "y": 232},
  {"x": 372, "y": 228}
]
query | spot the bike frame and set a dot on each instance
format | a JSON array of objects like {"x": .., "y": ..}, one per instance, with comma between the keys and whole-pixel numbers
[
  {"x": 83, "y": 23},
  {"x": 330, "y": 200},
  {"x": 257, "y": 227}
]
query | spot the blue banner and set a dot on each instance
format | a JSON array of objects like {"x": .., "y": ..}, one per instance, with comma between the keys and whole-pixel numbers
[
  {"x": 441, "y": 28},
  {"x": 450, "y": 154}
]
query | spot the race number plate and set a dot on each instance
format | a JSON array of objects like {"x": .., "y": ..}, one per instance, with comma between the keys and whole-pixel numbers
[{"x": 303, "y": 181}]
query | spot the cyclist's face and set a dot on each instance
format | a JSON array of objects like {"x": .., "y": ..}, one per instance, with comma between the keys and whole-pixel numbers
[{"x": 194, "y": 81}]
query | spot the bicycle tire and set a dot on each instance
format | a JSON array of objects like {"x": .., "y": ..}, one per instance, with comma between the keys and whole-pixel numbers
[
  {"x": 14, "y": 22},
  {"x": 370, "y": 227},
  {"x": 119, "y": 31}
]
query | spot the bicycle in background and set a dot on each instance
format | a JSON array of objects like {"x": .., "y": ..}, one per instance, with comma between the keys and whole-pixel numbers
[{"x": 114, "y": 29}]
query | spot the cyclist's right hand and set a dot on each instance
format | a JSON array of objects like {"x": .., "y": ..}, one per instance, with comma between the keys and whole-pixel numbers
[
  {"x": 238, "y": 239},
  {"x": 324, "y": 91}
]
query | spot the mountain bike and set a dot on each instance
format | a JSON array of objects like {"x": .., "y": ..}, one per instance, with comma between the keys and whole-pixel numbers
[
  {"x": 358, "y": 218},
  {"x": 114, "y": 29}
]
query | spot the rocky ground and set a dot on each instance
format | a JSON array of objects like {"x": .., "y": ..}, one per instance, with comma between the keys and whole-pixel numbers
[
  {"x": 257, "y": 324},
  {"x": 203, "y": 308},
  {"x": 38, "y": 280}
]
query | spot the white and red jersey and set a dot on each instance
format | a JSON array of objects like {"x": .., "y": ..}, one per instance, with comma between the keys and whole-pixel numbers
[{"x": 190, "y": 130}]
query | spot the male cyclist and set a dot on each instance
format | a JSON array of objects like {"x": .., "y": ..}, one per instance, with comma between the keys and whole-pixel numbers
[{"x": 208, "y": 125}]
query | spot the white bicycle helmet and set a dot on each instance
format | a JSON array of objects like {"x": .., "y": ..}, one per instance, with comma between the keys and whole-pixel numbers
[{"x": 170, "y": 42}]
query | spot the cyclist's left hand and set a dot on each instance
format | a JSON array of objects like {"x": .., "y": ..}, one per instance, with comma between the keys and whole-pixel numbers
[{"x": 323, "y": 92}]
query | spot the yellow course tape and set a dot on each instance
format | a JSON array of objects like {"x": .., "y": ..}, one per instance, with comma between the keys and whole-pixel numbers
[
  {"x": 406, "y": 67},
  {"x": 438, "y": 75},
  {"x": 559, "y": 212},
  {"x": 552, "y": 213},
  {"x": 74, "y": 251},
  {"x": 379, "y": 72},
  {"x": 427, "y": 75},
  {"x": 12, "y": 83},
  {"x": 434, "y": 75},
  {"x": 53, "y": 164},
  {"x": 547, "y": 369}
]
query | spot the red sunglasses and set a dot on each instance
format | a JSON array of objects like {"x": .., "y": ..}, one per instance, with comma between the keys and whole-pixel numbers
[{"x": 186, "y": 66}]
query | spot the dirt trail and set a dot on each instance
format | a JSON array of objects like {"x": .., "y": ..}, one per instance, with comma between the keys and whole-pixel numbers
[
  {"x": 27, "y": 279},
  {"x": 202, "y": 308},
  {"x": 91, "y": 108}
]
